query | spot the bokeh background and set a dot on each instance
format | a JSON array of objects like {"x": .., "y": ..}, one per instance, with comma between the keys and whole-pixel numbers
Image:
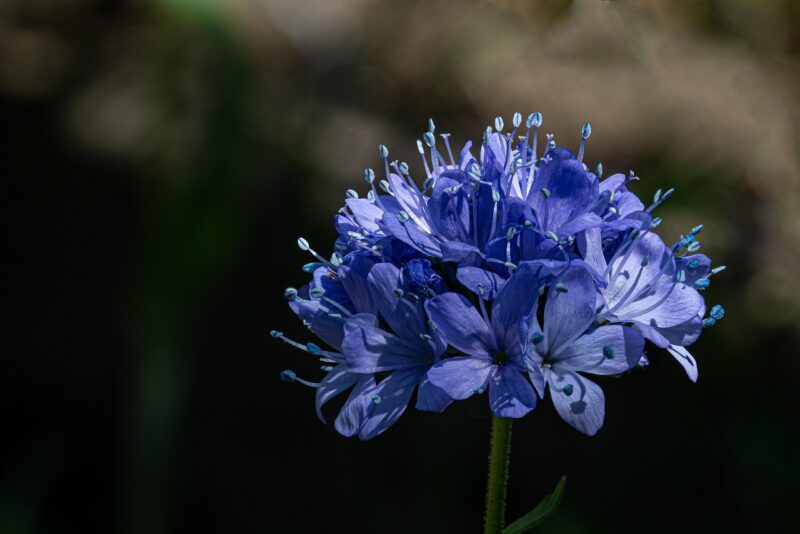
[{"x": 162, "y": 156}]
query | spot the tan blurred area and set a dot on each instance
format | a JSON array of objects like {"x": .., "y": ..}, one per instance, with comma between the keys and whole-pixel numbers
[{"x": 712, "y": 87}]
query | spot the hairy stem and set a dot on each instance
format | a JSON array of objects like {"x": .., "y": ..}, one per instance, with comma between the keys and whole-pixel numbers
[{"x": 500, "y": 449}]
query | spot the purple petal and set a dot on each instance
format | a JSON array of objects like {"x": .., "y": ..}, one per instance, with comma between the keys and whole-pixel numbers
[
  {"x": 686, "y": 360},
  {"x": 335, "y": 382},
  {"x": 568, "y": 314},
  {"x": 590, "y": 245},
  {"x": 579, "y": 224},
  {"x": 510, "y": 394},
  {"x": 365, "y": 213},
  {"x": 354, "y": 411},
  {"x": 353, "y": 275},
  {"x": 387, "y": 401},
  {"x": 461, "y": 325},
  {"x": 431, "y": 398},
  {"x": 608, "y": 350},
  {"x": 672, "y": 305},
  {"x": 579, "y": 402},
  {"x": 407, "y": 318},
  {"x": 625, "y": 269},
  {"x": 514, "y": 303},
  {"x": 483, "y": 283},
  {"x": 367, "y": 349},
  {"x": 572, "y": 193},
  {"x": 462, "y": 376}
]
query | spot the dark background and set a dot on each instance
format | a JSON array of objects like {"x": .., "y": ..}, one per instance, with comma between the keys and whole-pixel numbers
[{"x": 161, "y": 157}]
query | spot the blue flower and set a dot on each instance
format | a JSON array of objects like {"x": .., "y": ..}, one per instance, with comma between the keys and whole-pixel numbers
[
  {"x": 515, "y": 270},
  {"x": 344, "y": 309},
  {"x": 569, "y": 343},
  {"x": 494, "y": 353}
]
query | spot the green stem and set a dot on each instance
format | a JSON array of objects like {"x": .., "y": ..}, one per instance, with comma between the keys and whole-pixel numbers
[{"x": 498, "y": 475}]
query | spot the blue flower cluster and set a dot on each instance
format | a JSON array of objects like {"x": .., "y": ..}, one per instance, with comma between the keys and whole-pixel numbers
[{"x": 510, "y": 272}]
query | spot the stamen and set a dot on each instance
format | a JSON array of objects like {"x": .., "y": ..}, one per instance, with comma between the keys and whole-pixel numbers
[
  {"x": 586, "y": 131},
  {"x": 717, "y": 312}
]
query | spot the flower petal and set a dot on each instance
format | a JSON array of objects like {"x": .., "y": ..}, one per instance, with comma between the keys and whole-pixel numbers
[
  {"x": 354, "y": 411},
  {"x": 510, "y": 394},
  {"x": 353, "y": 275},
  {"x": 686, "y": 360},
  {"x": 608, "y": 350},
  {"x": 461, "y": 376},
  {"x": 406, "y": 317},
  {"x": 365, "y": 213},
  {"x": 569, "y": 313},
  {"x": 431, "y": 398},
  {"x": 514, "y": 303},
  {"x": 335, "y": 382},
  {"x": 483, "y": 283},
  {"x": 387, "y": 401},
  {"x": 579, "y": 402},
  {"x": 368, "y": 349},
  {"x": 461, "y": 325}
]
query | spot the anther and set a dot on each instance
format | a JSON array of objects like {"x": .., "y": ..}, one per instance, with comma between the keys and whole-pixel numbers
[
  {"x": 288, "y": 376},
  {"x": 717, "y": 312},
  {"x": 429, "y": 138},
  {"x": 517, "y": 120},
  {"x": 586, "y": 131},
  {"x": 311, "y": 267},
  {"x": 369, "y": 176},
  {"x": 568, "y": 389},
  {"x": 313, "y": 348},
  {"x": 545, "y": 192},
  {"x": 561, "y": 288},
  {"x": 608, "y": 352},
  {"x": 537, "y": 337},
  {"x": 534, "y": 120},
  {"x": 399, "y": 292},
  {"x": 351, "y": 193},
  {"x": 384, "y": 152},
  {"x": 290, "y": 293},
  {"x": 498, "y": 124},
  {"x": 376, "y": 399},
  {"x": 316, "y": 292},
  {"x": 303, "y": 243},
  {"x": 402, "y": 216},
  {"x": 702, "y": 284}
]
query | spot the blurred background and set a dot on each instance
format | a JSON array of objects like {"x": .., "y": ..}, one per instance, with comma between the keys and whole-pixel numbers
[{"x": 162, "y": 156}]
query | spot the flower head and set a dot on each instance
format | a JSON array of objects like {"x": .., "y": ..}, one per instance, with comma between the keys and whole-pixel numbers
[{"x": 511, "y": 269}]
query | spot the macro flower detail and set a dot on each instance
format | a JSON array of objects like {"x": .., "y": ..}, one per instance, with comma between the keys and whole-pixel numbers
[{"x": 511, "y": 269}]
